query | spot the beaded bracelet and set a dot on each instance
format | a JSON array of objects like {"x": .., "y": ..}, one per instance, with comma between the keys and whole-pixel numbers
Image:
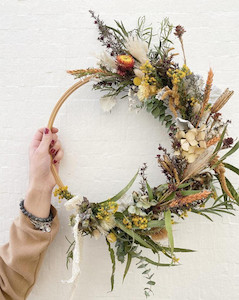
[{"x": 31, "y": 216}]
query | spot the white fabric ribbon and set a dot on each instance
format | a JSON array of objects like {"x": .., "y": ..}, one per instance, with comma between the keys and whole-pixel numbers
[{"x": 76, "y": 257}]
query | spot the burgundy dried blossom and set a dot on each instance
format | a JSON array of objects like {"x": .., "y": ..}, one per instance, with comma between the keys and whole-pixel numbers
[
  {"x": 216, "y": 116},
  {"x": 179, "y": 31},
  {"x": 227, "y": 143}
]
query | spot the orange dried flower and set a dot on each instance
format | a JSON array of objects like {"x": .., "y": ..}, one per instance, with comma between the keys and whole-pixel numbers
[{"x": 125, "y": 61}]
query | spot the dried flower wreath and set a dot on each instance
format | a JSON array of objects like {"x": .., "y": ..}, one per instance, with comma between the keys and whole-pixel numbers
[{"x": 189, "y": 108}]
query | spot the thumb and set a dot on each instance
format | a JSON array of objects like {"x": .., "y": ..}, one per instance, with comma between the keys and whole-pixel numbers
[{"x": 46, "y": 139}]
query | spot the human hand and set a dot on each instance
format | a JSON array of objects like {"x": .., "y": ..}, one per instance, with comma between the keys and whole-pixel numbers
[{"x": 44, "y": 148}]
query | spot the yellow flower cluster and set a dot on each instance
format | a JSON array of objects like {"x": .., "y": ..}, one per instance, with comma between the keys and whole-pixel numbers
[
  {"x": 175, "y": 259},
  {"x": 107, "y": 209},
  {"x": 62, "y": 192},
  {"x": 140, "y": 222},
  {"x": 193, "y": 101},
  {"x": 127, "y": 223},
  {"x": 177, "y": 75},
  {"x": 147, "y": 67},
  {"x": 185, "y": 213},
  {"x": 146, "y": 81}
]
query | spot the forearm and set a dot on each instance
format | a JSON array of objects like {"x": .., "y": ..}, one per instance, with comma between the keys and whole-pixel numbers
[
  {"x": 21, "y": 258},
  {"x": 38, "y": 201}
]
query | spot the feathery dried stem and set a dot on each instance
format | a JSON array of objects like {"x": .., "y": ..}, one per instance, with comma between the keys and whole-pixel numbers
[
  {"x": 85, "y": 71},
  {"x": 158, "y": 235},
  {"x": 171, "y": 107},
  {"x": 189, "y": 199},
  {"x": 213, "y": 141},
  {"x": 206, "y": 94},
  {"x": 175, "y": 172},
  {"x": 220, "y": 170},
  {"x": 221, "y": 101}
]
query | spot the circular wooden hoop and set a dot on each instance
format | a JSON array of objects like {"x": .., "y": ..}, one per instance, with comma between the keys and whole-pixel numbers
[{"x": 53, "y": 116}]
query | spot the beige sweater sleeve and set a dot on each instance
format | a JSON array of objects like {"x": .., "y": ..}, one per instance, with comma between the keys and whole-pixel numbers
[{"x": 22, "y": 256}]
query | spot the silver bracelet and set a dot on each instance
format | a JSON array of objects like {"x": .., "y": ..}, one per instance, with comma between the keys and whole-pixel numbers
[{"x": 43, "y": 224}]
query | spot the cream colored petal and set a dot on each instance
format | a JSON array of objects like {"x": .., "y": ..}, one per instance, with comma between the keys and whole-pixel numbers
[
  {"x": 185, "y": 154},
  {"x": 192, "y": 149},
  {"x": 203, "y": 127},
  {"x": 177, "y": 152},
  {"x": 190, "y": 135},
  {"x": 201, "y": 136},
  {"x": 185, "y": 146},
  {"x": 203, "y": 144},
  {"x": 191, "y": 158},
  {"x": 199, "y": 150},
  {"x": 182, "y": 134},
  {"x": 193, "y": 143}
]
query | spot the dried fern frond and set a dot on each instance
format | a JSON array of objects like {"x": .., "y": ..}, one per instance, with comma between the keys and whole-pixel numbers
[{"x": 221, "y": 101}]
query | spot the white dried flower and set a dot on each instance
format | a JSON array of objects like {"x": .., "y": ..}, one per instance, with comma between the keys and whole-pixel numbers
[
  {"x": 108, "y": 224},
  {"x": 160, "y": 93},
  {"x": 134, "y": 103},
  {"x": 124, "y": 202},
  {"x": 107, "y": 61},
  {"x": 96, "y": 234},
  {"x": 74, "y": 202},
  {"x": 138, "y": 73},
  {"x": 137, "y": 48},
  {"x": 107, "y": 103},
  {"x": 183, "y": 124},
  {"x": 134, "y": 210}
]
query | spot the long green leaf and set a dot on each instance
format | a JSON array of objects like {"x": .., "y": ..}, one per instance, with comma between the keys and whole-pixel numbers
[
  {"x": 150, "y": 192},
  {"x": 190, "y": 192},
  {"x": 231, "y": 167},
  {"x": 123, "y": 191},
  {"x": 219, "y": 144},
  {"x": 112, "y": 256},
  {"x": 230, "y": 152},
  {"x": 129, "y": 259},
  {"x": 168, "y": 226},
  {"x": 156, "y": 223},
  {"x": 155, "y": 263},
  {"x": 134, "y": 235},
  {"x": 232, "y": 190},
  {"x": 182, "y": 250}
]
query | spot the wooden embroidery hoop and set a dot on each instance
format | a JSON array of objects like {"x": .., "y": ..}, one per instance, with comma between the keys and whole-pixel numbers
[{"x": 53, "y": 116}]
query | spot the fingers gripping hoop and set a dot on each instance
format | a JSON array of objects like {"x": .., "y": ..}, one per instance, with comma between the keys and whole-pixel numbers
[{"x": 53, "y": 116}]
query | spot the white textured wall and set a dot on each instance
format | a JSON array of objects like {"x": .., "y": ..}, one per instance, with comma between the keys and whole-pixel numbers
[{"x": 39, "y": 41}]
